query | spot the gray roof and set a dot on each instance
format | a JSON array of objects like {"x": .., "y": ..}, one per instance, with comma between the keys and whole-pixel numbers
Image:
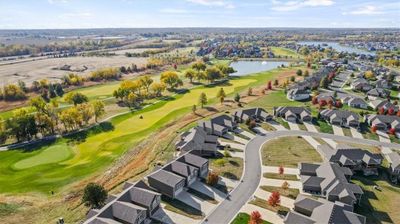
[
  {"x": 394, "y": 159},
  {"x": 197, "y": 139},
  {"x": 193, "y": 160},
  {"x": 374, "y": 119},
  {"x": 293, "y": 110},
  {"x": 348, "y": 155},
  {"x": 322, "y": 211},
  {"x": 340, "y": 114},
  {"x": 126, "y": 212},
  {"x": 167, "y": 178},
  {"x": 181, "y": 168},
  {"x": 251, "y": 112}
]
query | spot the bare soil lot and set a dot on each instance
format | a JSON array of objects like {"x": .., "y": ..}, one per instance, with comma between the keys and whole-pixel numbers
[{"x": 35, "y": 70}]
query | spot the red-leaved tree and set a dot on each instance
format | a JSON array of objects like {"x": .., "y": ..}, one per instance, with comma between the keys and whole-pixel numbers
[
  {"x": 281, "y": 170},
  {"x": 392, "y": 131},
  {"x": 274, "y": 199},
  {"x": 255, "y": 218},
  {"x": 381, "y": 111},
  {"x": 269, "y": 85},
  {"x": 391, "y": 111},
  {"x": 373, "y": 129}
]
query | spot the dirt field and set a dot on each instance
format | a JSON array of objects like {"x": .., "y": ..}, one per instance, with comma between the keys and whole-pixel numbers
[{"x": 35, "y": 70}]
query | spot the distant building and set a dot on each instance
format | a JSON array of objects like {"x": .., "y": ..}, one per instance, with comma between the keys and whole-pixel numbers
[
  {"x": 383, "y": 122},
  {"x": 257, "y": 114},
  {"x": 293, "y": 114},
  {"x": 355, "y": 102},
  {"x": 298, "y": 94}
]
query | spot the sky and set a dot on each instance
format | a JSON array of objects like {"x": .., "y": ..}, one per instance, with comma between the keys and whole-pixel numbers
[{"x": 65, "y": 14}]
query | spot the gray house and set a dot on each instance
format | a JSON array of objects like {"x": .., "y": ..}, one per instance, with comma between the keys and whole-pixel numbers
[
  {"x": 383, "y": 122},
  {"x": 394, "y": 169},
  {"x": 258, "y": 114},
  {"x": 353, "y": 158},
  {"x": 167, "y": 183},
  {"x": 135, "y": 205},
  {"x": 219, "y": 125},
  {"x": 342, "y": 118},
  {"x": 298, "y": 94},
  {"x": 184, "y": 170},
  {"x": 196, "y": 161},
  {"x": 312, "y": 211},
  {"x": 293, "y": 114},
  {"x": 376, "y": 93},
  {"x": 331, "y": 181},
  {"x": 197, "y": 140},
  {"x": 355, "y": 102}
]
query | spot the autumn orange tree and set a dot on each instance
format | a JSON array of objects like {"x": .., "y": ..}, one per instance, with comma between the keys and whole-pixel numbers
[
  {"x": 255, "y": 218},
  {"x": 274, "y": 199},
  {"x": 212, "y": 178}
]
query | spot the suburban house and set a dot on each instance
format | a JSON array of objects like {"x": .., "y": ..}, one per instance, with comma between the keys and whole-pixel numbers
[
  {"x": 376, "y": 93},
  {"x": 135, "y": 205},
  {"x": 331, "y": 181},
  {"x": 383, "y": 122},
  {"x": 196, "y": 161},
  {"x": 360, "y": 84},
  {"x": 342, "y": 118},
  {"x": 385, "y": 104},
  {"x": 394, "y": 169},
  {"x": 312, "y": 211},
  {"x": 298, "y": 94},
  {"x": 293, "y": 114},
  {"x": 190, "y": 173},
  {"x": 219, "y": 125},
  {"x": 167, "y": 183},
  {"x": 353, "y": 158},
  {"x": 198, "y": 141},
  {"x": 327, "y": 98},
  {"x": 258, "y": 114},
  {"x": 355, "y": 102},
  {"x": 382, "y": 83}
]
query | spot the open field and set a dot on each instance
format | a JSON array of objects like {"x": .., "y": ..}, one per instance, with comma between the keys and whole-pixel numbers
[
  {"x": 45, "y": 69},
  {"x": 231, "y": 167},
  {"x": 288, "y": 151}
]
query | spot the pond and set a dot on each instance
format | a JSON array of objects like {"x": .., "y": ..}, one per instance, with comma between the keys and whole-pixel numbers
[
  {"x": 338, "y": 47},
  {"x": 243, "y": 68}
]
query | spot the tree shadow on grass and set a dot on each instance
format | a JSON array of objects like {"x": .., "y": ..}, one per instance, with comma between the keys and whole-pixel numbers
[
  {"x": 230, "y": 175},
  {"x": 234, "y": 163},
  {"x": 80, "y": 136}
]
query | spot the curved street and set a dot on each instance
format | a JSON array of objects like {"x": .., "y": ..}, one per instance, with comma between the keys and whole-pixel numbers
[{"x": 251, "y": 177}]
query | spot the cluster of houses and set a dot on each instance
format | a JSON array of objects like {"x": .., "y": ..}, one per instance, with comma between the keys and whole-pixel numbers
[
  {"x": 223, "y": 48},
  {"x": 330, "y": 181},
  {"x": 139, "y": 203}
]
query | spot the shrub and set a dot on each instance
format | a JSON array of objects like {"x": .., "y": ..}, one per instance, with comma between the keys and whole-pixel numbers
[
  {"x": 212, "y": 178},
  {"x": 94, "y": 195}
]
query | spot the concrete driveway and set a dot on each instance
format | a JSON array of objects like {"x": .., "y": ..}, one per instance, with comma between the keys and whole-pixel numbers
[
  {"x": 165, "y": 216},
  {"x": 337, "y": 130},
  {"x": 245, "y": 133},
  {"x": 356, "y": 134},
  {"x": 195, "y": 202},
  {"x": 235, "y": 138},
  {"x": 276, "y": 125},
  {"x": 293, "y": 126},
  {"x": 207, "y": 190},
  {"x": 310, "y": 127},
  {"x": 266, "y": 215},
  {"x": 232, "y": 144},
  {"x": 260, "y": 130},
  {"x": 278, "y": 183}
]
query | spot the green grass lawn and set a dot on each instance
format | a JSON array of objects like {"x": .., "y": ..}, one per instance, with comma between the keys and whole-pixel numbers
[
  {"x": 243, "y": 218},
  {"x": 323, "y": 126},
  {"x": 288, "y": 151},
  {"x": 229, "y": 167},
  {"x": 280, "y": 177},
  {"x": 263, "y": 203},
  {"x": 290, "y": 192},
  {"x": 58, "y": 164},
  {"x": 378, "y": 206},
  {"x": 285, "y": 52},
  {"x": 274, "y": 99}
]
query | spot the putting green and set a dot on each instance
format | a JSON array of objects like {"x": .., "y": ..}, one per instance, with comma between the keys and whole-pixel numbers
[{"x": 52, "y": 154}]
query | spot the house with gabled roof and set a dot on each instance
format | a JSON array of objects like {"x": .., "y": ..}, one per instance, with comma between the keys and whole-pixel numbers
[
  {"x": 377, "y": 93},
  {"x": 394, "y": 166},
  {"x": 297, "y": 94},
  {"x": 167, "y": 183},
  {"x": 360, "y": 84},
  {"x": 184, "y": 170},
  {"x": 196, "y": 161},
  {"x": 314, "y": 211},
  {"x": 198, "y": 141},
  {"x": 383, "y": 122},
  {"x": 355, "y": 102},
  {"x": 342, "y": 118},
  {"x": 219, "y": 125},
  {"x": 258, "y": 114},
  {"x": 293, "y": 114},
  {"x": 331, "y": 181},
  {"x": 353, "y": 158}
]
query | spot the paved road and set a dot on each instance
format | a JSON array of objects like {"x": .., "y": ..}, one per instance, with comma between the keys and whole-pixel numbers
[{"x": 251, "y": 177}]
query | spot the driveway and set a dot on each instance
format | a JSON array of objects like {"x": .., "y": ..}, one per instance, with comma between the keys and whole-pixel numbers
[
  {"x": 337, "y": 130},
  {"x": 165, "y": 216},
  {"x": 278, "y": 183},
  {"x": 236, "y": 138},
  {"x": 195, "y": 202},
  {"x": 207, "y": 190},
  {"x": 293, "y": 126},
  {"x": 232, "y": 144},
  {"x": 245, "y": 133},
  {"x": 260, "y": 130},
  {"x": 252, "y": 174},
  {"x": 356, "y": 134},
  {"x": 310, "y": 127},
  {"x": 276, "y": 125}
]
